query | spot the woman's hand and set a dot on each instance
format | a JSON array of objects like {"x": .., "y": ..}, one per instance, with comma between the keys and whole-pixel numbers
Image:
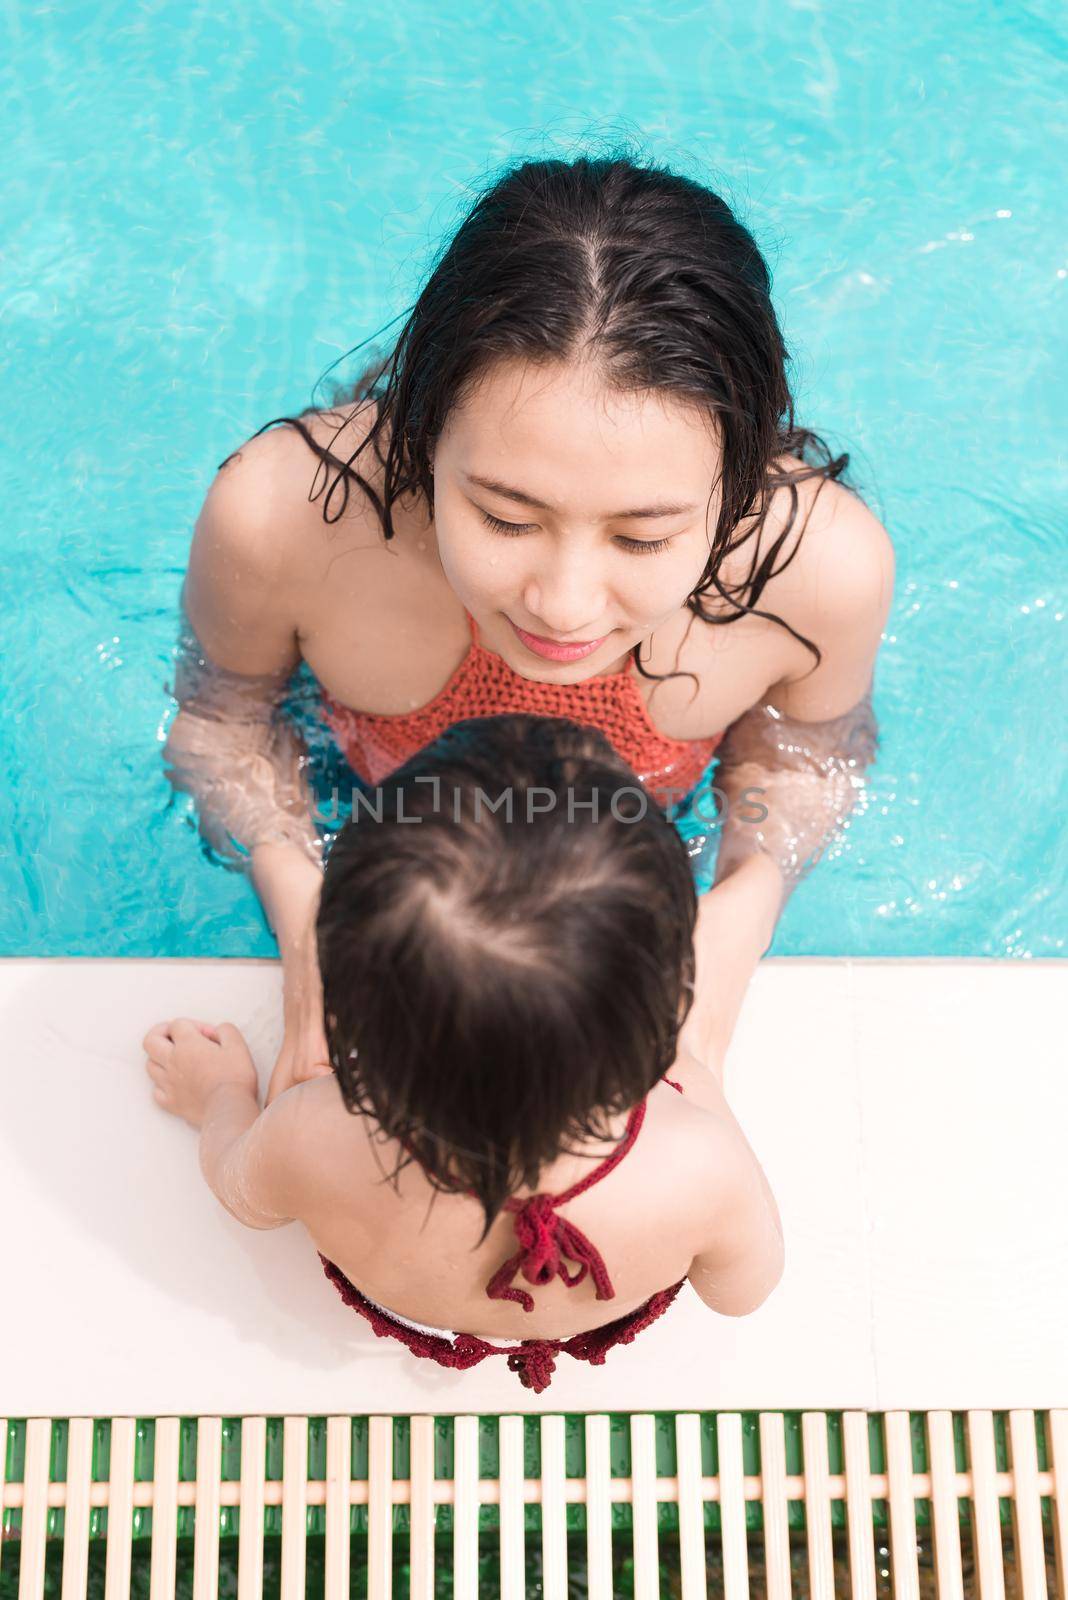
[
  {"x": 304, "y": 1053},
  {"x": 188, "y": 1061}
]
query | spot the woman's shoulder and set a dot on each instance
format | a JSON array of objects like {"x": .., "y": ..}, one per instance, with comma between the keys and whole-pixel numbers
[
  {"x": 255, "y": 514},
  {"x": 784, "y": 532},
  {"x": 343, "y": 436},
  {"x": 841, "y": 543},
  {"x": 829, "y": 557},
  {"x": 836, "y": 593},
  {"x": 283, "y": 476}
]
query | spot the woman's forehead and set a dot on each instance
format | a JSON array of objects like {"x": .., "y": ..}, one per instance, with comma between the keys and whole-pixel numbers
[{"x": 563, "y": 433}]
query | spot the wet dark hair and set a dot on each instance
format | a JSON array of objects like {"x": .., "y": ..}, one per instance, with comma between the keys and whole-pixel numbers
[
  {"x": 644, "y": 272},
  {"x": 513, "y": 968}
]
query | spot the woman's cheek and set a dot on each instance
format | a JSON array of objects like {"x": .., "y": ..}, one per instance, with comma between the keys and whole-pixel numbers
[
  {"x": 466, "y": 563},
  {"x": 491, "y": 577},
  {"x": 659, "y": 596}
]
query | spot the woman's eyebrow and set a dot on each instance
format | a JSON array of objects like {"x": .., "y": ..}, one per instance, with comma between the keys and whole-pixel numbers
[{"x": 661, "y": 509}]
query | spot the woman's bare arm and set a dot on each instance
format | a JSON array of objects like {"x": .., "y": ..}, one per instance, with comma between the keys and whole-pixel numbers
[
  {"x": 229, "y": 746},
  {"x": 806, "y": 746},
  {"x": 735, "y": 923},
  {"x": 237, "y": 651},
  {"x": 230, "y": 750}
]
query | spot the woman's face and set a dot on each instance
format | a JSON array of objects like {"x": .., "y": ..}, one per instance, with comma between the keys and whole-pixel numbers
[{"x": 581, "y": 568}]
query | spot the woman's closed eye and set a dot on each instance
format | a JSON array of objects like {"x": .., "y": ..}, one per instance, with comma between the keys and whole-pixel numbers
[{"x": 514, "y": 529}]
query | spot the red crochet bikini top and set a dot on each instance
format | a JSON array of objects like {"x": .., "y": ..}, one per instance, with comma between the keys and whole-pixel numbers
[
  {"x": 545, "y": 1239},
  {"x": 376, "y": 743}
]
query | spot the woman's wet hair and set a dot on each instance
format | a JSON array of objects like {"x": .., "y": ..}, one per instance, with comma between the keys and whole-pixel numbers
[
  {"x": 505, "y": 936},
  {"x": 623, "y": 265}
]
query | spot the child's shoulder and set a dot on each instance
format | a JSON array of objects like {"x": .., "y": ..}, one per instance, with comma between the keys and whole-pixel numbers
[
  {"x": 694, "y": 1124},
  {"x": 322, "y": 1146},
  {"x": 701, "y": 1083},
  {"x": 711, "y": 1156}
]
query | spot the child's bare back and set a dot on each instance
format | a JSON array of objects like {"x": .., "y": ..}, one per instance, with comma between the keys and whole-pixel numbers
[{"x": 689, "y": 1200}]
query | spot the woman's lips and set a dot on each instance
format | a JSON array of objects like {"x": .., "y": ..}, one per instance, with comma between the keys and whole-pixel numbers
[{"x": 553, "y": 651}]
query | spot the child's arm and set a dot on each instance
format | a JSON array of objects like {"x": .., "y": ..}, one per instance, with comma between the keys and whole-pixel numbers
[
  {"x": 745, "y": 1258},
  {"x": 253, "y": 1163}
]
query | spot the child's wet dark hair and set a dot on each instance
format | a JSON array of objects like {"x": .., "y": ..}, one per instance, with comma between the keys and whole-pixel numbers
[{"x": 507, "y": 955}]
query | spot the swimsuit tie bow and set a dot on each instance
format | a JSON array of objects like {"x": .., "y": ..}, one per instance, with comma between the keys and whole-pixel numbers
[
  {"x": 545, "y": 1239},
  {"x": 536, "y": 1226}
]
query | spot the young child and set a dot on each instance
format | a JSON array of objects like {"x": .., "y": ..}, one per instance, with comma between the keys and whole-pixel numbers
[{"x": 526, "y": 1043}]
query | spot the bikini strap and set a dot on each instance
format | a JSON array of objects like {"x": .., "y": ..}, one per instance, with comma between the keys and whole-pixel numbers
[
  {"x": 472, "y": 626},
  {"x": 546, "y": 1239},
  {"x": 603, "y": 1168}
]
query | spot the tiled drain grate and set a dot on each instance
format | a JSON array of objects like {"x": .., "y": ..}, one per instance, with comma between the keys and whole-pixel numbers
[{"x": 958, "y": 1506}]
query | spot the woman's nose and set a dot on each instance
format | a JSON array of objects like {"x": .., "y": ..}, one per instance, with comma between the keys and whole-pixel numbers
[{"x": 566, "y": 598}]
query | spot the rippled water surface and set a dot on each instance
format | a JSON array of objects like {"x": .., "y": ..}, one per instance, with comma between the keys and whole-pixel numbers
[{"x": 203, "y": 209}]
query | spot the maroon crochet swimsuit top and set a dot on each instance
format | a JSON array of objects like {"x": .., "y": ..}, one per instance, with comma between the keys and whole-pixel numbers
[{"x": 549, "y": 1246}]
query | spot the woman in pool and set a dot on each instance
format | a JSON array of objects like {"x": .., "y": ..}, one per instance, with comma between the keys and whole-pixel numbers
[
  {"x": 519, "y": 1015},
  {"x": 580, "y": 492}
]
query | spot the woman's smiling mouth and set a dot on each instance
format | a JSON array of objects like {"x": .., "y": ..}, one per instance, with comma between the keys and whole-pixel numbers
[{"x": 553, "y": 649}]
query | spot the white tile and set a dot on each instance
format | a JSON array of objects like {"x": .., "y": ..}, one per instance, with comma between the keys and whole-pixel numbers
[
  {"x": 135, "y": 1292},
  {"x": 791, "y": 1082},
  {"x": 965, "y": 1102}
]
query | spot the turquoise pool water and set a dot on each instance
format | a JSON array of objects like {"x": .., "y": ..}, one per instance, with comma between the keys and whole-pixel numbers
[{"x": 203, "y": 211}]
